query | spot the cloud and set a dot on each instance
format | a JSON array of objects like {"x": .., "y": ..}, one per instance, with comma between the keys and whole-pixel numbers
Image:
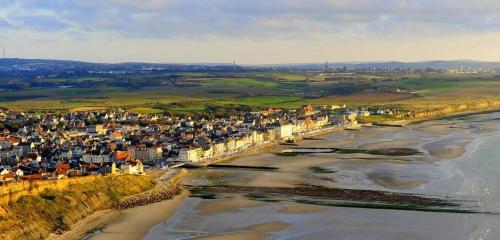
[
  {"x": 191, "y": 28},
  {"x": 4, "y": 24},
  {"x": 255, "y": 18}
]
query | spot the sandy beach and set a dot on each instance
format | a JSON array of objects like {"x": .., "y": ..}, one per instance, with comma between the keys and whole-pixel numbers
[
  {"x": 82, "y": 228},
  {"x": 232, "y": 215},
  {"x": 134, "y": 223},
  {"x": 436, "y": 140}
]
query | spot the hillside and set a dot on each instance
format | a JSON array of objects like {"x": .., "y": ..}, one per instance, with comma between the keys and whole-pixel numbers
[{"x": 34, "y": 210}]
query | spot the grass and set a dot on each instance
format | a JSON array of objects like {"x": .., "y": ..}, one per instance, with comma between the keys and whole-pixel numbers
[
  {"x": 265, "y": 89},
  {"x": 271, "y": 101},
  {"x": 375, "y": 118},
  {"x": 235, "y": 83},
  {"x": 143, "y": 110},
  {"x": 56, "y": 209}
]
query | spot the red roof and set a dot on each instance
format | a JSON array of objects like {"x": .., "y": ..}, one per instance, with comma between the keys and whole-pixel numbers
[{"x": 123, "y": 155}]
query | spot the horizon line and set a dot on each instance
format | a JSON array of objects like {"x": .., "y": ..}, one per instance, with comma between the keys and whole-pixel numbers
[{"x": 254, "y": 64}]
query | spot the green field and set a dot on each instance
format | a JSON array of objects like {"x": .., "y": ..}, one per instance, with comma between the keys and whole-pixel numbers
[{"x": 197, "y": 92}]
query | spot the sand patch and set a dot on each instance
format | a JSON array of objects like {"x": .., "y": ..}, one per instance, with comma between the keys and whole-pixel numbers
[
  {"x": 274, "y": 179},
  {"x": 82, "y": 227},
  {"x": 400, "y": 143},
  {"x": 269, "y": 227},
  {"x": 233, "y": 204},
  {"x": 134, "y": 223},
  {"x": 447, "y": 153},
  {"x": 301, "y": 209},
  {"x": 235, "y": 236},
  {"x": 439, "y": 128},
  {"x": 389, "y": 182},
  {"x": 446, "y": 149}
]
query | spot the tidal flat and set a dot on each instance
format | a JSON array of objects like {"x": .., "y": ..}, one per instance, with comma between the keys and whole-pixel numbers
[{"x": 449, "y": 190}]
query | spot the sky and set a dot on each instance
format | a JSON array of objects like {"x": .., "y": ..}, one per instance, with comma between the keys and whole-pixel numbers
[{"x": 251, "y": 31}]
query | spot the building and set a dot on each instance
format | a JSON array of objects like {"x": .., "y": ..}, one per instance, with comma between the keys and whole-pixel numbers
[
  {"x": 284, "y": 132},
  {"x": 191, "y": 155},
  {"x": 147, "y": 154},
  {"x": 132, "y": 168},
  {"x": 306, "y": 110},
  {"x": 97, "y": 158}
]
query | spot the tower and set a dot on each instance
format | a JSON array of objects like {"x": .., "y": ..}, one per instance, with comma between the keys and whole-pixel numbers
[
  {"x": 234, "y": 66},
  {"x": 326, "y": 67}
]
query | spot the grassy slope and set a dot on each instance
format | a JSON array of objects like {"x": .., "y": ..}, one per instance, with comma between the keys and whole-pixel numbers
[{"x": 35, "y": 216}]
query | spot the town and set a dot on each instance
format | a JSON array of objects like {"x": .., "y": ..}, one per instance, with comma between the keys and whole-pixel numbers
[{"x": 38, "y": 146}]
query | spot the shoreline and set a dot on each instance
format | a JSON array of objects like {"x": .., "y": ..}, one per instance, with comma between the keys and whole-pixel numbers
[
  {"x": 150, "y": 215},
  {"x": 99, "y": 220},
  {"x": 134, "y": 223},
  {"x": 442, "y": 117},
  {"x": 87, "y": 225}
]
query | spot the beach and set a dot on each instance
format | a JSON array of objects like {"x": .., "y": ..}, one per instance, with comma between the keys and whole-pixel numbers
[
  {"x": 234, "y": 200},
  {"x": 443, "y": 146},
  {"x": 135, "y": 222}
]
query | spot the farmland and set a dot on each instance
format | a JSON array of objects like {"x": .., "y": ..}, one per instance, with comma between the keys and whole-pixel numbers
[{"x": 191, "y": 92}]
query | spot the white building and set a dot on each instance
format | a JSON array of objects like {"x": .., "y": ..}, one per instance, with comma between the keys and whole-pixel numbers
[
  {"x": 284, "y": 132},
  {"x": 191, "y": 155}
]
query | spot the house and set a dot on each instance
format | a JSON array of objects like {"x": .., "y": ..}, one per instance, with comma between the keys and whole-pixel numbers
[
  {"x": 306, "y": 110},
  {"x": 191, "y": 154},
  {"x": 23, "y": 148},
  {"x": 284, "y": 132},
  {"x": 97, "y": 158},
  {"x": 123, "y": 156},
  {"x": 116, "y": 136},
  {"x": 146, "y": 154},
  {"x": 132, "y": 168},
  {"x": 62, "y": 169},
  {"x": 4, "y": 171},
  {"x": 96, "y": 130},
  {"x": 363, "y": 113},
  {"x": 19, "y": 173}
]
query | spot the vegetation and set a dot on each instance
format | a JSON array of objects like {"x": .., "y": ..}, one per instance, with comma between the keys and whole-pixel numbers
[
  {"x": 57, "y": 208},
  {"x": 209, "y": 93}
]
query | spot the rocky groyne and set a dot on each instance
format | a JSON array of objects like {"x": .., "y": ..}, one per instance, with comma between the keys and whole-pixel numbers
[{"x": 165, "y": 192}]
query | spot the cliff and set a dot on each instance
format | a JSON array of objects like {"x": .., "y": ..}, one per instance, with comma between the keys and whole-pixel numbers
[{"x": 34, "y": 210}]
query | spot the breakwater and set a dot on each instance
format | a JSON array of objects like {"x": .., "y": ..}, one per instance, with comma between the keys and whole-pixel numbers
[{"x": 163, "y": 191}]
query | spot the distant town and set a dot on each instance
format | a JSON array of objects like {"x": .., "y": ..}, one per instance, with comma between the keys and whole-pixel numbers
[{"x": 38, "y": 146}]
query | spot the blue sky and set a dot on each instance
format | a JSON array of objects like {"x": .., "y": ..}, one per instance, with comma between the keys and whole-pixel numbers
[{"x": 250, "y": 31}]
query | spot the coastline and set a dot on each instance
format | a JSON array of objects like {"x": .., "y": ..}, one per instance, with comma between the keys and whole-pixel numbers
[
  {"x": 87, "y": 225},
  {"x": 99, "y": 220},
  {"x": 135, "y": 222},
  {"x": 445, "y": 116}
]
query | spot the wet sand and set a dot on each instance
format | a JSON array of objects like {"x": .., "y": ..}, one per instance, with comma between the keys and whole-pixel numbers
[
  {"x": 235, "y": 236},
  {"x": 237, "y": 217},
  {"x": 231, "y": 204},
  {"x": 427, "y": 173},
  {"x": 301, "y": 209},
  {"x": 269, "y": 227},
  {"x": 82, "y": 227},
  {"x": 135, "y": 222}
]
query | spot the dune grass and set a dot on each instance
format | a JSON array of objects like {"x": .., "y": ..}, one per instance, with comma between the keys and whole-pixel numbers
[{"x": 36, "y": 215}]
